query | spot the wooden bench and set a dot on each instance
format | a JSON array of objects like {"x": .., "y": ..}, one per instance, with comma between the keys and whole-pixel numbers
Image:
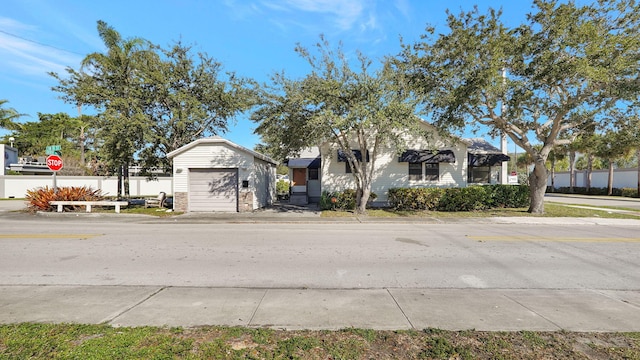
[{"x": 89, "y": 204}]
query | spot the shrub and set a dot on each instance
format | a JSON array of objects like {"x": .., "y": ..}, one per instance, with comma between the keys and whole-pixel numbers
[
  {"x": 459, "y": 199},
  {"x": 282, "y": 187},
  {"x": 510, "y": 196},
  {"x": 415, "y": 198},
  {"x": 466, "y": 199},
  {"x": 629, "y": 192},
  {"x": 38, "y": 199},
  {"x": 592, "y": 191},
  {"x": 345, "y": 200}
]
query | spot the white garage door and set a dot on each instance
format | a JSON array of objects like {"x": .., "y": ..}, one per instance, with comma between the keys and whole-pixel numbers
[{"x": 213, "y": 190}]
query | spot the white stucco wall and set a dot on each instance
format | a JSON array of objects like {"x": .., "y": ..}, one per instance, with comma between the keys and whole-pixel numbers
[
  {"x": 259, "y": 173},
  {"x": 8, "y": 155},
  {"x": 210, "y": 156},
  {"x": 622, "y": 178},
  {"x": 390, "y": 173},
  {"x": 16, "y": 186},
  {"x": 263, "y": 183}
]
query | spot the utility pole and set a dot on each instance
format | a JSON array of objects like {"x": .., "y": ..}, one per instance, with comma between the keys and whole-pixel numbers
[{"x": 503, "y": 138}]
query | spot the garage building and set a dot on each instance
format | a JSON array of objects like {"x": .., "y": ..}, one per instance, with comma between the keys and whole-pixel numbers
[{"x": 214, "y": 174}]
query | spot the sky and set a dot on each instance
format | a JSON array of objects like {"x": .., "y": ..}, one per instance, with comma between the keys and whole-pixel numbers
[{"x": 253, "y": 38}]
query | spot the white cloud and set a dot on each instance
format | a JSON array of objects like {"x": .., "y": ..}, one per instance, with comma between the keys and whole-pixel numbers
[
  {"x": 8, "y": 25},
  {"x": 242, "y": 10},
  {"x": 403, "y": 7},
  {"x": 343, "y": 14},
  {"x": 19, "y": 56}
]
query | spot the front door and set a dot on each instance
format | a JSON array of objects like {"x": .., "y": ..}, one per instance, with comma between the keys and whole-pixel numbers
[
  {"x": 300, "y": 177},
  {"x": 299, "y": 180}
]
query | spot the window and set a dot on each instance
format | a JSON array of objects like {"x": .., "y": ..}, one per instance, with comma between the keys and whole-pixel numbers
[
  {"x": 479, "y": 174},
  {"x": 313, "y": 174},
  {"x": 415, "y": 171},
  {"x": 432, "y": 172}
]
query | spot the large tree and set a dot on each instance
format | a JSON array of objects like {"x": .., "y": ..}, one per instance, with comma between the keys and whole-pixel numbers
[
  {"x": 33, "y": 137},
  {"x": 151, "y": 101},
  {"x": 565, "y": 60},
  {"x": 187, "y": 97},
  {"x": 361, "y": 109},
  {"x": 111, "y": 82}
]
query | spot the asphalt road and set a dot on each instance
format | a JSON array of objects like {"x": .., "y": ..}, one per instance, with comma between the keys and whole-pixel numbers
[{"x": 480, "y": 254}]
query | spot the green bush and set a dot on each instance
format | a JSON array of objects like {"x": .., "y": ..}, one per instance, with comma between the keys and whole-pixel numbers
[
  {"x": 466, "y": 199},
  {"x": 459, "y": 199},
  {"x": 629, "y": 192},
  {"x": 345, "y": 200},
  {"x": 592, "y": 191},
  {"x": 509, "y": 196},
  {"x": 415, "y": 198},
  {"x": 282, "y": 187}
]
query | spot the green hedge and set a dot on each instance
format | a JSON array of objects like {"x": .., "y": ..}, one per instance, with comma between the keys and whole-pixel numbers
[
  {"x": 460, "y": 199},
  {"x": 626, "y": 192},
  {"x": 415, "y": 198}
]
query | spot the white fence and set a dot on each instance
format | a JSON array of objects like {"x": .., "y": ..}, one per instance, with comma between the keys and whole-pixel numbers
[
  {"x": 622, "y": 178},
  {"x": 16, "y": 186}
]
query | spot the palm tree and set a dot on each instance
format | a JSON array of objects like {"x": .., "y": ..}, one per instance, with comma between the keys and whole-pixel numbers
[
  {"x": 7, "y": 117},
  {"x": 112, "y": 83}
]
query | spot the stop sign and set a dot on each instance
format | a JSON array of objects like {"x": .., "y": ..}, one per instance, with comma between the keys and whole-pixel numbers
[{"x": 54, "y": 162}]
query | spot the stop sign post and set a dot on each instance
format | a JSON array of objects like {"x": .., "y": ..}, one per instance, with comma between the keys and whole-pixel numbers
[{"x": 54, "y": 163}]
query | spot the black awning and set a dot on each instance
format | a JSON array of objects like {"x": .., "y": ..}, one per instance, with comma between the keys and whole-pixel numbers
[
  {"x": 428, "y": 156},
  {"x": 310, "y": 163},
  {"x": 342, "y": 157},
  {"x": 487, "y": 159}
]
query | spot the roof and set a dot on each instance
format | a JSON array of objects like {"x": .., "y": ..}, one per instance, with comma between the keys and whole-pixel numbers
[
  {"x": 311, "y": 163},
  {"x": 219, "y": 140},
  {"x": 481, "y": 146}
]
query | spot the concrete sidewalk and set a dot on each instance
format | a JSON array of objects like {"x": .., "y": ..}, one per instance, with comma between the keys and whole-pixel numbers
[{"x": 382, "y": 309}]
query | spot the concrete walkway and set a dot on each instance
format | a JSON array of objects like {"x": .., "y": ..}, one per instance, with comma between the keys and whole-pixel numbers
[{"x": 382, "y": 309}]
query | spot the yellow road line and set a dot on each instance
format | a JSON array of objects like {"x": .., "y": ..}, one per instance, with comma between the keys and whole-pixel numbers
[
  {"x": 48, "y": 236},
  {"x": 553, "y": 238}
]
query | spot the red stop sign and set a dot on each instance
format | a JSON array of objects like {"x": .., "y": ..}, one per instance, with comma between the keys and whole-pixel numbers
[{"x": 54, "y": 162}]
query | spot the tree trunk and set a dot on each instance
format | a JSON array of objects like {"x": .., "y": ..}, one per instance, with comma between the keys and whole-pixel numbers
[
  {"x": 553, "y": 175},
  {"x": 362, "y": 197},
  {"x": 589, "y": 171},
  {"x": 119, "y": 181},
  {"x": 610, "y": 179},
  {"x": 538, "y": 186},
  {"x": 127, "y": 193},
  {"x": 572, "y": 170},
  {"x": 638, "y": 156}
]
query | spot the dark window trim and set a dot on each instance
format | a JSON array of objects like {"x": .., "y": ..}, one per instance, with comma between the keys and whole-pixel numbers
[
  {"x": 416, "y": 174},
  {"x": 314, "y": 173},
  {"x": 434, "y": 174}
]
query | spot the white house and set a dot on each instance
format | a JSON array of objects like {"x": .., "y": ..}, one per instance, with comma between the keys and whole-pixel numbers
[
  {"x": 434, "y": 162},
  {"x": 214, "y": 174},
  {"x": 9, "y": 156}
]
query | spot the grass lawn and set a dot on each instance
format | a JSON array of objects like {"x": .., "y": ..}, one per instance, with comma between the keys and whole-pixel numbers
[
  {"x": 551, "y": 210},
  {"x": 66, "y": 341}
]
